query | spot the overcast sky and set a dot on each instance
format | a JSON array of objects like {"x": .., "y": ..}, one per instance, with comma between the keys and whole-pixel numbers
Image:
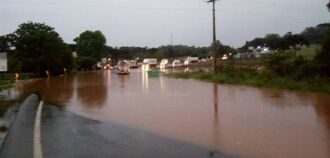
[{"x": 151, "y": 22}]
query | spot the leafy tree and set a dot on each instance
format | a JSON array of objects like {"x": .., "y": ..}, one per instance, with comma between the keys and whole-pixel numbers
[
  {"x": 324, "y": 56},
  {"x": 4, "y": 46},
  {"x": 254, "y": 43},
  {"x": 85, "y": 63},
  {"x": 91, "y": 44},
  {"x": 40, "y": 48},
  {"x": 159, "y": 55},
  {"x": 273, "y": 41},
  {"x": 224, "y": 49},
  {"x": 315, "y": 35},
  {"x": 295, "y": 39},
  {"x": 281, "y": 63},
  {"x": 14, "y": 64}
]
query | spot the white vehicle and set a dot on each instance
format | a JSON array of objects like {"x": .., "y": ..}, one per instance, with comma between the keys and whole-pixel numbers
[
  {"x": 150, "y": 61},
  {"x": 176, "y": 63},
  {"x": 190, "y": 60},
  {"x": 123, "y": 68},
  {"x": 164, "y": 63},
  {"x": 133, "y": 64}
]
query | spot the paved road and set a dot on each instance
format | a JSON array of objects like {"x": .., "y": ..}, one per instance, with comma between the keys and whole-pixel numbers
[
  {"x": 66, "y": 135},
  {"x": 19, "y": 141}
]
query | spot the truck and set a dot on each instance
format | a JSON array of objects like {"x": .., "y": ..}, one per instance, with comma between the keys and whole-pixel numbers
[
  {"x": 190, "y": 60},
  {"x": 150, "y": 61}
]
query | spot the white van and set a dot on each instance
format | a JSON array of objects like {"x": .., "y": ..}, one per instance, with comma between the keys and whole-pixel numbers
[
  {"x": 150, "y": 61},
  {"x": 164, "y": 63},
  {"x": 191, "y": 60}
]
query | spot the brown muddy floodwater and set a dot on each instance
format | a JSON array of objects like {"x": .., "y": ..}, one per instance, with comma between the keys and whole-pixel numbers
[{"x": 238, "y": 120}]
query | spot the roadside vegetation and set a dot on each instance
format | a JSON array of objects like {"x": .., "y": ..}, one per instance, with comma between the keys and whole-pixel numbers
[
  {"x": 280, "y": 70},
  {"x": 286, "y": 68},
  {"x": 306, "y": 69},
  {"x": 4, "y": 105},
  {"x": 5, "y": 84},
  {"x": 36, "y": 48}
]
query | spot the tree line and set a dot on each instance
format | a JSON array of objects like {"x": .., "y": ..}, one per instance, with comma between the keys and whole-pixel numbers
[
  {"x": 37, "y": 48},
  {"x": 310, "y": 36},
  {"x": 286, "y": 63}
]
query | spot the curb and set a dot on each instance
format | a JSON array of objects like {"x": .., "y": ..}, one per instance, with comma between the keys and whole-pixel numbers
[{"x": 12, "y": 113}]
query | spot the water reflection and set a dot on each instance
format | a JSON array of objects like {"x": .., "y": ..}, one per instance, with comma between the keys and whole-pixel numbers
[
  {"x": 186, "y": 69},
  {"x": 323, "y": 112},
  {"x": 162, "y": 84},
  {"x": 284, "y": 99},
  {"x": 122, "y": 80},
  {"x": 145, "y": 81},
  {"x": 57, "y": 90},
  {"x": 108, "y": 78},
  {"x": 91, "y": 89},
  {"x": 11, "y": 93},
  {"x": 216, "y": 125},
  {"x": 17, "y": 90},
  {"x": 215, "y": 99},
  {"x": 239, "y": 120}
]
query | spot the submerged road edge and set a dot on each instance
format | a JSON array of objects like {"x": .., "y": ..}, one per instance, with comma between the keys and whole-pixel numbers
[{"x": 37, "y": 149}]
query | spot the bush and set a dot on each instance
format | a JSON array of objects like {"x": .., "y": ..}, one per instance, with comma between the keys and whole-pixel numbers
[
  {"x": 85, "y": 63},
  {"x": 281, "y": 63},
  {"x": 323, "y": 57}
]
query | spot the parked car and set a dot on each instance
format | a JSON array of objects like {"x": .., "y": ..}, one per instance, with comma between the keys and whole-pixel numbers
[{"x": 176, "y": 63}]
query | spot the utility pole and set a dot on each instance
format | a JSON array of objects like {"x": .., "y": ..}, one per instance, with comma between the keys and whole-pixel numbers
[
  {"x": 170, "y": 49},
  {"x": 171, "y": 39},
  {"x": 214, "y": 54}
]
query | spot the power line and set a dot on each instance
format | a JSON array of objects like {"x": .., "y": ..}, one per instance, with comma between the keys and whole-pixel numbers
[{"x": 101, "y": 6}]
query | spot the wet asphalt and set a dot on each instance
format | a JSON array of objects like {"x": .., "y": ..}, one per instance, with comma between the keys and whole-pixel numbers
[
  {"x": 67, "y": 135},
  {"x": 19, "y": 142}
]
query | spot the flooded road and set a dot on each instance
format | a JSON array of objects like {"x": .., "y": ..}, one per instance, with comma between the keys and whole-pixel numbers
[{"x": 235, "y": 120}]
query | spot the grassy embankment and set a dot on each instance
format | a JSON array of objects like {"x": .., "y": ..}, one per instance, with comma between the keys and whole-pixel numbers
[
  {"x": 5, "y": 104},
  {"x": 293, "y": 75},
  {"x": 7, "y": 81}
]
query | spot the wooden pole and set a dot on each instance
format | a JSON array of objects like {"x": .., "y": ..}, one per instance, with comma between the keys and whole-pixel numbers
[{"x": 214, "y": 41}]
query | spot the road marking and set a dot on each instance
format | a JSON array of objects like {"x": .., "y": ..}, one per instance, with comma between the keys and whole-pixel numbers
[{"x": 37, "y": 149}]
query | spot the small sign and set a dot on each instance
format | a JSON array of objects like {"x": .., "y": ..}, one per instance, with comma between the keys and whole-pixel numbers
[{"x": 3, "y": 62}]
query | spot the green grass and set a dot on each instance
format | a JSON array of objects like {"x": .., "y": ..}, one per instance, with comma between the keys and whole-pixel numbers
[
  {"x": 4, "y": 105},
  {"x": 309, "y": 53},
  {"x": 3, "y": 128},
  {"x": 5, "y": 84},
  {"x": 247, "y": 77}
]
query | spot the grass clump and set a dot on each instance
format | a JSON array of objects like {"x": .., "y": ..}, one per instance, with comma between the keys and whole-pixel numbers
[
  {"x": 4, "y": 105},
  {"x": 263, "y": 79},
  {"x": 3, "y": 128}
]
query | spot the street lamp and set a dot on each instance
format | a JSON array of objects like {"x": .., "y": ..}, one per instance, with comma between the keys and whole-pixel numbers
[{"x": 214, "y": 37}]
